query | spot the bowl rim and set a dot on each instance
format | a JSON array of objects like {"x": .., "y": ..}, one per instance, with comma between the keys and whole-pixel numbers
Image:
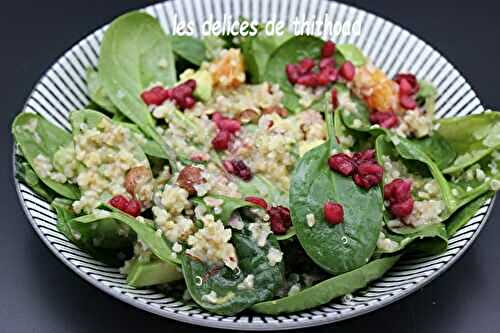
[{"x": 250, "y": 326}]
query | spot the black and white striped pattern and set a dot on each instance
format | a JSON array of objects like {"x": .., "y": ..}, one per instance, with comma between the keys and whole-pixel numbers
[{"x": 63, "y": 89}]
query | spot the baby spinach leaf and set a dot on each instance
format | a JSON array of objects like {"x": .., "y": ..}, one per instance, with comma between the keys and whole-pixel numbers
[
  {"x": 411, "y": 151},
  {"x": 136, "y": 53},
  {"x": 349, "y": 52},
  {"x": 28, "y": 176},
  {"x": 474, "y": 181},
  {"x": 189, "y": 48},
  {"x": 102, "y": 241},
  {"x": 96, "y": 92},
  {"x": 230, "y": 294},
  {"x": 329, "y": 289},
  {"x": 336, "y": 248},
  {"x": 434, "y": 236},
  {"x": 464, "y": 214},
  {"x": 438, "y": 149},
  {"x": 472, "y": 137},
  {"x": 291, "y": 52},
  {"x": 257, "y": 50},
  {"x": 145, "y": 232},
  {"x": 37, "y": 136}
]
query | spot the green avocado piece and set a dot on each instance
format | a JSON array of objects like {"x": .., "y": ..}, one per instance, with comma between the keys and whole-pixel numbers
[
  {"x": 152, "y": 273},
  {"x": 204, "y": 83}
]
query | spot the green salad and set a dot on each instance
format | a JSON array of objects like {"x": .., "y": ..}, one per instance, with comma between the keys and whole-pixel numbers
[{"x": 268, "y": 173}]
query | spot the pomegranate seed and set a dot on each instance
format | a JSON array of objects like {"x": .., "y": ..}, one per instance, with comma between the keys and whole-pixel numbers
[
  {"x": 384, "y": 119},
  {"x": 292, "y": 73},
  {"x": 322, "y": 78},
  {"x": 119, "y": 201},
  {"x": 364, "y": 156},
  {"x": 341, "y": 163},
  {"x": 333, "y": 212},
  {"x": 347, "y": 71},
  {"x": 133, "y": 208},
  {"x": 308, "y": 80},
  {"x": 327, "y": 63},
  {"x": 398, "y": 190},
  {"x": 216, "y": 117},
  {"x": 257, "y": 201},
  {"x": 228, "y": 166},
  {"x": 402, "y": 209},
  {"x": 188, "y": 102},
  {"x": 334, "y": 98},
  {"x": 155, "y": 96},
  {"x": 191, "y": 84},
  {"x": 280, "y": 219},
  {"x": 230, "y": 125},
  {"x": 328, "y": 49},
  {"x": 221, "y": 140},
  {"x": 305, "y": 65},
  {"x": 405, "y": 87},
  {"x": 411, "y": 80},
  {"x": 180, "y": 92},
  {"x": 371, "y": 172},
  {"x": 407, "y": 102},
  {"x": 239, "y": 169}
]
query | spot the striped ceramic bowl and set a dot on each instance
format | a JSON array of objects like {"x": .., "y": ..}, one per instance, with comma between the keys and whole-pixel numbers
[{"x": 393, "y": 49}]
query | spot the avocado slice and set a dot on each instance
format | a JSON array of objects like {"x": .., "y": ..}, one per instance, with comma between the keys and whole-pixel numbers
[
  {"x": 204, "y": 83},
  {"x": 152, "y": 273}
]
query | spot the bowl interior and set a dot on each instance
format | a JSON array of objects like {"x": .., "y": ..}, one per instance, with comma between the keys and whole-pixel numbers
[{"x": 63, "y": 89}]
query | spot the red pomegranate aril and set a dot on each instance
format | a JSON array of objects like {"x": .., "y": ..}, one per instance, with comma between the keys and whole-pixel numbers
[
  {"x": 398, "y": 190},
  {"x": 119, "y": 201},
  {"x": 347, "y": 71},
  {"x": 292, "y": 73},
  {"x": 405, "y": 87},
  {"x": 326, "y": 63},
  {"x": 239, "y": 169},
  {"x": 155, "y": 96},
  {"x": 180, "y": 92},
  {"x": 323, "y": 78},
  {"x": 191, "y": 84},
  {"x": 334, "y": 98},
  {"x": 216, "y": 117},
  {"x": 308, "y": 80},
  {"x": 280, "y": 220},
  {"x": 133, "y": 208},
  {"x": 411, "y": 80},
  {"x": 384, "y": 119},
  {"x": 221, "y": 140},
  {"x": 328, "y": 49},
  {"x": 402, "y": 209},
  {"x": 368, "y": 175},
  {"x": 333, "y": 212},
  {"x": 230, "y": 125},
  {"x": 407, "y": 102},
  {"x": 187, "y": 103},
  {"x": 305, "y": 65},
  {"x": 341, "y": 163},
  {"x": 364, "y": 156},
  {"x": 257, "y": 201}
]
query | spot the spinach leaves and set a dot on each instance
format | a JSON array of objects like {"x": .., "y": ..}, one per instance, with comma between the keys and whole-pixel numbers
[
  {"x": 471, "y": 137},
  {"x": 136, "y": 53},
  {"x": 226, "y": 292},
  {"x": 349, "y": 52},
  {"x": 290, "y": 52},
  {"x": 189, "y": 48},
  {"x": 329, "y": 289},
  {"x": 257, "y": 51},
  {"x": 105, "y": 240},
  {"x": 96, "y": 92},
  {"x": 145, "y": 232},
  {"x": 38, "y": 137},
  {"x": 336, "y": 248}
]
